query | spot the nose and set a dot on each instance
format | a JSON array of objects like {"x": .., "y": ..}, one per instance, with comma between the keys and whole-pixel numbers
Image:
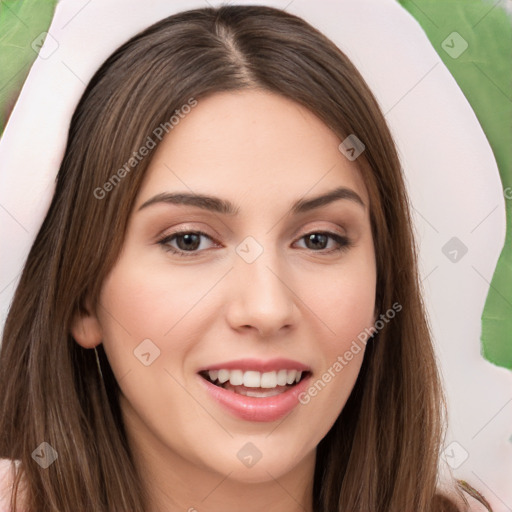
[{"x": 261, "y": 296}]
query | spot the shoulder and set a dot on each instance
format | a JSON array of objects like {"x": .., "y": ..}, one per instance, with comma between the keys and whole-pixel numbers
[
  {"x": 475, "y": 506},
  {"x": 464, "y": 496},
  {"x": 475, "y": 501},
  {"x": 7, "y": 473}
]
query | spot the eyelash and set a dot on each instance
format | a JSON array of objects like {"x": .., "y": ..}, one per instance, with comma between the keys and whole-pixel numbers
[{"x": 343, "y": 242}]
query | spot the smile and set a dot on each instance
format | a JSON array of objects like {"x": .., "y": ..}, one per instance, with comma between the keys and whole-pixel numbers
[
  {"x": 256, "y": 395},
  {"x": 255, "y": 379}
]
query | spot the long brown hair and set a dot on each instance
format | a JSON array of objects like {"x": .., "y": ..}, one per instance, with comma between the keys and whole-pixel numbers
[{"x": 382, "y": 452}]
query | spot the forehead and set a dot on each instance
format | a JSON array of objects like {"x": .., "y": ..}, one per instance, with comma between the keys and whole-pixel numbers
[{"x": 250, "y": 143}]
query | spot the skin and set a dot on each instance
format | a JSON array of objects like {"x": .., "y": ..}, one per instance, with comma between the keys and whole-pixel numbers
[{"x": 296, "y": 300}]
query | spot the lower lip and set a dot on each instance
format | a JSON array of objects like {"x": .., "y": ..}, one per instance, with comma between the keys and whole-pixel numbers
[{"x": 251, "y": 408}]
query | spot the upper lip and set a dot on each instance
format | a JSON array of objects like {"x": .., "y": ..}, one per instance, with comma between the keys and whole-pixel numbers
[{"x": 258, "y": 365}]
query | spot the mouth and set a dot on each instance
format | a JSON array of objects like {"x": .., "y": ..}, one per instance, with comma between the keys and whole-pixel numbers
[{"x": 254, "y": 383}]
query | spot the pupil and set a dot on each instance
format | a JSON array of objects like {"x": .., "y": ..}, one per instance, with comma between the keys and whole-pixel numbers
[
  {"x": 195, "y": 242},
  {"x": 315, "y": 236}
]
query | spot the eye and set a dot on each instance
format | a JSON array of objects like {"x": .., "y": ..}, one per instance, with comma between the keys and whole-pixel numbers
[
  {"x": 189, "y": 241},
  {"x": 319, "y": 238}
]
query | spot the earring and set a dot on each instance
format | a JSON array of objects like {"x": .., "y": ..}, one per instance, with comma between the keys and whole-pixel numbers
[{"x": 98, "y": 364}]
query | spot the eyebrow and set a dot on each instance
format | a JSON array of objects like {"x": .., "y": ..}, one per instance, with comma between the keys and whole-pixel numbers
[{"x": 225, "y": 207}]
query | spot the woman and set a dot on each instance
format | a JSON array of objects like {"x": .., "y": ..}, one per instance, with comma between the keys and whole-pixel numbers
[{"x": 263, "y": 370}]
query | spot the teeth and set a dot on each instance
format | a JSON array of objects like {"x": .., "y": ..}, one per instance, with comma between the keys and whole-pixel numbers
[
  {"x": 254, "y": 379},
  {"x": 281, "y": 377},
  {"x": 223, "y": 376},
  {"x": 268, "y": 380},
  {"x": 290, "y": 378},
  {"x": 260, "y": 394},
  {"x": 236, "y": 377}
]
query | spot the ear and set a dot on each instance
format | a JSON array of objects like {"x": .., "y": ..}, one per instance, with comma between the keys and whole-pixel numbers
[{"x": 86, "y": 329}]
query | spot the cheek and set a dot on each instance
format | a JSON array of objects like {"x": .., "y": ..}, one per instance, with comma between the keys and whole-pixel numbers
[
  {"x": 344, "y": 300},
  {"x": 142, "y": 302},
  {"x": 355, "y": 306},
  {"x": 346, "y": 313}
]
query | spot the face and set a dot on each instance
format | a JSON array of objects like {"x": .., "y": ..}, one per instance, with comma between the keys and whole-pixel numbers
[{"x": 255, "y": 295}]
